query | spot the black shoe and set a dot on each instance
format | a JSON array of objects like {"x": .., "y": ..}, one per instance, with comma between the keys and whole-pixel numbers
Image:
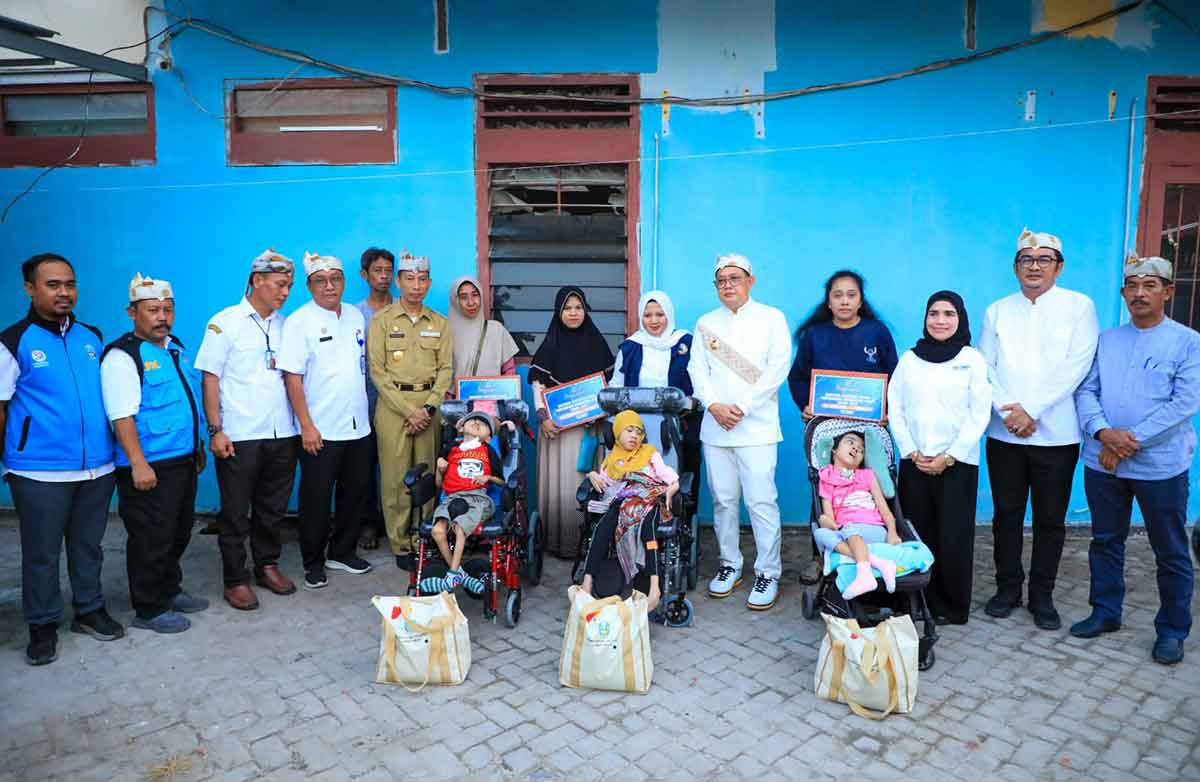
[
  {"x": 351, "y": 564},
  {"x": 315, "y": 580},
  {"x": 1044, "y": 615},
  {"x": 1002, "y": 604},
  {"x": 99, "y": 625},
  {"x": 1167, "y": 651},
  {"x": 1095, "y": 625},
  {"x": 406, "y": 561},
  {"x": 43, "y": 644}
]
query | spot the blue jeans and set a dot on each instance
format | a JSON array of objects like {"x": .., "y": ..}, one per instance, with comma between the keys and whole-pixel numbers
[
  {"x": 50, "y": 513},
  {"x": 1164, "y": 508},
  {"x": 828, "y": 539}
]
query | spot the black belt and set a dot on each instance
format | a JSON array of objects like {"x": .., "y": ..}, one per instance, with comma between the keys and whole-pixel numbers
[{"x": 415, "y": 387}]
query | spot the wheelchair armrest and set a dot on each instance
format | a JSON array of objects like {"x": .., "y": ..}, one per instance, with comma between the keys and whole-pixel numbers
[
  {"x": 584, "y": 492},
  {"x": 414, "y": 474}
]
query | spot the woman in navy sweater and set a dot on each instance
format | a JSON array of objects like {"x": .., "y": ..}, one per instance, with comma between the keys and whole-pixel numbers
[{"x": 842, "y": 333}]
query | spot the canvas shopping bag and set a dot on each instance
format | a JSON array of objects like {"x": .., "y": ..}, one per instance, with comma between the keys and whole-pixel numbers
[
  {"x": 872, "y": 669},
  {"x": 606, "y": 644},
  {"x": 425, "y": 641}
]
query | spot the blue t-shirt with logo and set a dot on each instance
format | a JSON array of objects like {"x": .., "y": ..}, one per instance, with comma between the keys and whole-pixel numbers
[{"x": 866, "y": 347}]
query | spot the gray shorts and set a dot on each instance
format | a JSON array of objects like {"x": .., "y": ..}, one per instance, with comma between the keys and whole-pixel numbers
[
  {"x": 827, "y": 539},
  {"x": 479, "y": 509}
]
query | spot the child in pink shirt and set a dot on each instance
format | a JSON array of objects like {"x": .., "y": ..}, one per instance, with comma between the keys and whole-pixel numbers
[{"x": 855, "y": 514}]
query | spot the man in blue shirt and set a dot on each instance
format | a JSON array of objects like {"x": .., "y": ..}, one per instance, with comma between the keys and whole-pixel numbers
[
  {"x": 1135, "y": 408},
  {"x": 58, "y": 452}
]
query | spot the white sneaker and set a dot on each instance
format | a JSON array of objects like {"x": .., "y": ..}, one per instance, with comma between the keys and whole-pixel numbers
[
  {"x": 724, "y": 582},
  {"x": 763, "y": 594}
]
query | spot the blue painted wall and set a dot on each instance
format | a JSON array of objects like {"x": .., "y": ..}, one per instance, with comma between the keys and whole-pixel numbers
[{"x": 919, "y": 184}]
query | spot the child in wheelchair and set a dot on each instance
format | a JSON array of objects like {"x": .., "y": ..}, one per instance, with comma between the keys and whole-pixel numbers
[
  {"x": 464, "y": 471},
  {"x": 638, "y": 486}
]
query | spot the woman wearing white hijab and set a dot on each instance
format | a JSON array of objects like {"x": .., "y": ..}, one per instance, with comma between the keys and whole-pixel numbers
[
  {"x": 482, "y": 347},
  {"x": 657, "y": 354}
]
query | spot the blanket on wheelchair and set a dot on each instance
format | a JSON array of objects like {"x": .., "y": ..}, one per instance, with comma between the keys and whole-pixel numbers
[
  {"x": 638, "y": 496},
  {"x": 910, "y": 556}
]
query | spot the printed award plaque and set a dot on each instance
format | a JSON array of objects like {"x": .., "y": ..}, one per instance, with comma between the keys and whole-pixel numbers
[
  {"x": 861, "y": 395},
  {"x": 575, "y": 403},
  {"x": 489, "y": 387}
]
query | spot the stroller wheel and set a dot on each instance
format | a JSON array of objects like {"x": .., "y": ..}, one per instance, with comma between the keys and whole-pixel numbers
[
  {"x": 512, "y": 608},
  {"x": 678, "y": 612},
  {"x": 808, "y": 604},
  {"x": 925, "y": 656},
  {"x": 535, "y": 554}
]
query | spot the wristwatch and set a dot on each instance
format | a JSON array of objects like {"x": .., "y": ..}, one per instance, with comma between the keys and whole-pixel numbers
[
  {"x": 949, "y": 460},
  {"x": 430, "y": 409},
  {"x": 213, "y": 429}
]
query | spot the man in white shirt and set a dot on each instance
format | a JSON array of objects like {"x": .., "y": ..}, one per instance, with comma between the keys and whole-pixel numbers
[
  {"x": 740, "y": 357},
  {"x": 323, "y": 359},
  {"x": 251, "y": 431},
  {"x": 1039, "y": 344}
]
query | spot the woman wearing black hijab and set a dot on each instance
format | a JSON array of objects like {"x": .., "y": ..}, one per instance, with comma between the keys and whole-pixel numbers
[
  {"x": 573, "y": 348},
  {"x": 939, "y": 404}
]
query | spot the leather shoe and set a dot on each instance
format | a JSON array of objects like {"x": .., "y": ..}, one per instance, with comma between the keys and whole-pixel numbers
[
  {"x": 1095, "y": 625},
  {"x": 270, "y": 577},
  {"x": 1044, "y": 614},
  {"x": 1167, "y": 651},
  {"x": 1002, "y": 604},
  {"x": 241, "y": 597}
]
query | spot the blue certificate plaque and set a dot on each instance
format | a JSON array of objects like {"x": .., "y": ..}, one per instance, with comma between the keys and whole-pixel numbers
[
  {"x": 575, "y": 403},
  {"x": 490, "y": 387},
  {"x": 861, "y": 395}
]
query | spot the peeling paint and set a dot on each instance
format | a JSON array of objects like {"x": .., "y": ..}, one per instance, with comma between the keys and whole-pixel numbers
[
  {"x": 714, "y": 47},
  {"x": 1133, "y": 29}
]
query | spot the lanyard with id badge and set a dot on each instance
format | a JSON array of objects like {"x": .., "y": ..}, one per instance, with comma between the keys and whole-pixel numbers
[
  {"x": 268, "y": 354},
  {"x": 362, "y": 353}
]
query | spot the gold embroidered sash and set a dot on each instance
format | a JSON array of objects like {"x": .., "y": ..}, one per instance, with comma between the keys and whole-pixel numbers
[{"x": 725, "y": 353}]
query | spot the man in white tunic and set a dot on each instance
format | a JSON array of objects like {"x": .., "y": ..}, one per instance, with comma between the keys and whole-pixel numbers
[
  {"x": 1038, "y": 343},
  {"x": 740, "y": 357}
]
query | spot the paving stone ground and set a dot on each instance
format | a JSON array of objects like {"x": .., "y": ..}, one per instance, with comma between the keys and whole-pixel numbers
[{"x": 286, "y": 693}]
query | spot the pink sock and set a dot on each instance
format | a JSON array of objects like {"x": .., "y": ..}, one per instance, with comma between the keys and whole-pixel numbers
[
  {"x": 887, "y": 569},
  {"x": 863, "y": 582}
]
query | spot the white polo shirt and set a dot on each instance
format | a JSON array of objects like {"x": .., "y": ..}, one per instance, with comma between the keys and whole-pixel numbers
[
  {"x": 760, "y": 334},
  {"x": 330, "y": 352},
  {"x": 254, "y": 404}
]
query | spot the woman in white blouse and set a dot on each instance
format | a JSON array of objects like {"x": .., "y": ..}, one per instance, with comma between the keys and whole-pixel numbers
[
  {"x": 656, "y": 354},
  {"x": 939, "y": 404}
]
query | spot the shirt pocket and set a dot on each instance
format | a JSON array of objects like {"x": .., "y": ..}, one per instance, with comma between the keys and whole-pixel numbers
[{"x": 1159, "y": 382}]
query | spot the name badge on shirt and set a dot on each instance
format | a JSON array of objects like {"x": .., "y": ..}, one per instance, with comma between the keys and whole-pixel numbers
[
  {"x": 269, "y": 358},
  {"x": 326, "y": 339},
  {"x": 431, "y": 333}
]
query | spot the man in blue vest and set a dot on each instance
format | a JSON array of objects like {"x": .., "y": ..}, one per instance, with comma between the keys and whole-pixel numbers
[
  {"x": 58, "y": 451},
  {"x": 152, "y": 396}
]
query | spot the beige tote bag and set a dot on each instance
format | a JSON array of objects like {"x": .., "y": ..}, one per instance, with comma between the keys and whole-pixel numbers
[
  {"x": 873, "y": 671},
  {"x": 425, "y": 641},
  {"x": 606, "y": 644}
]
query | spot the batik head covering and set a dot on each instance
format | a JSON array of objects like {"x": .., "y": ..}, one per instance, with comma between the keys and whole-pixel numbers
[
  {"x": 1151, "y": 265},
  {"x": 407, "y": 262},
  {"x": 1033, "y": 240},
  {"x": 269, "y": 261},
  {"x": 320, "y": 263},
  {"x": 141, "y": 288}
]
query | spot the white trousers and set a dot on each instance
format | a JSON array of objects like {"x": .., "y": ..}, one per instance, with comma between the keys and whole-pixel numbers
[{"x": 747, "y": 471}]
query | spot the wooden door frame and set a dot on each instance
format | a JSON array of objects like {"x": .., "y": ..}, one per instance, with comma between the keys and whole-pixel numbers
[{"x": 1169, "y": 158}]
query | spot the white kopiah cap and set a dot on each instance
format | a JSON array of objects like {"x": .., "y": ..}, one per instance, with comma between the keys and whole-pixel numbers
[
  {"x": 320, "y": 263},
  {"x": 734, "y": 259},
  {"x": 148, "y": 288},
  {"x": 1033, "y": 240}
]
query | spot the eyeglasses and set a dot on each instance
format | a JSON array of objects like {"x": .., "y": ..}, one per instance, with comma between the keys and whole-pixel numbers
[
  {"x": 1042, "y": 262},
  {"x": 730, "y": 282},
  {"x": 329, "y": 282}
]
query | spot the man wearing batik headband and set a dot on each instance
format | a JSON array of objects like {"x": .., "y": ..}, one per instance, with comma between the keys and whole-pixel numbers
[
  {"x": 741, "y": 354},
  {"x": 323, "y": 360},
  {"x": 1038, "y": 343},
  {"x": 252, "y": 433},
  {"x": 1136, "y": 408},
  {"x": 411, "y": 356},
  {"x": 152, "y": 396}
]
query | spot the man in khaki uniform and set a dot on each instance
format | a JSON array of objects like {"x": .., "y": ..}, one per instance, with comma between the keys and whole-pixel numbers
[{"x": 411, "y": 359}]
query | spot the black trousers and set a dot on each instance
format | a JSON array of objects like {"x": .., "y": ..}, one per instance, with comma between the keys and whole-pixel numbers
[
  {"x": 159, "y": 523},
  {"x": 942, "y": 508},
  {"x": 336, "y": 474},
  {"x": 1042, "y": 474},
  {"x": 602, "y": 565},
  {"x": 256, "y": 484},
  {"x": 372, "y": 507}
]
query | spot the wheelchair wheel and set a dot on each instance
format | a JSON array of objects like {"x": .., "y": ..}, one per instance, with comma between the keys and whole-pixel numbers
[
  {"x": 808, "y": 604},
  {"x": 693, "y": 571},
  {"x": 535, "y": 554},
  {"x": 678, "y": 612},
  {"x": 512, "y": 608}
]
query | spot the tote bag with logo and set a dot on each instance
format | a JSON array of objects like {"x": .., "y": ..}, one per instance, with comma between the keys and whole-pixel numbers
[
  {"x": 425, "y": 641},
  {"x": 872, "y": 670},
  {"x": 606, "y": 644}
]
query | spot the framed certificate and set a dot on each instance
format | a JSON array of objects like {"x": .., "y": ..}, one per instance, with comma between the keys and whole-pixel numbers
[
  {"x": 575, "y": 403},
  {"x": 861, "y": 395},
  {"x": 489, "y": 387}
]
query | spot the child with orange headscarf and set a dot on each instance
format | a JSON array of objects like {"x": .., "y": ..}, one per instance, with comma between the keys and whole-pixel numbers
[{"x": 623, "y": 555}]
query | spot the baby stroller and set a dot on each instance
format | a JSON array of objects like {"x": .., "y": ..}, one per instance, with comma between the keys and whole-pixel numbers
[
  {"x": 508, "y": 545},
  {"x": 678, "y": 537},
  {"x": 873, "y": 607}
]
